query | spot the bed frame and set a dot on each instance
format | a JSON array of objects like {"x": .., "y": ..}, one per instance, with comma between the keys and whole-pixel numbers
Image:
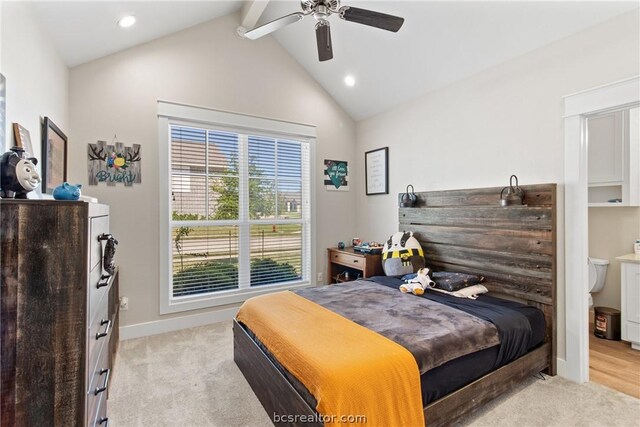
[{"x": 514, "y": 248}]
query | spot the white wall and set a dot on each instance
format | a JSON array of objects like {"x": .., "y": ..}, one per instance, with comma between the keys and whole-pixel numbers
[
  {"x": 612, "y": 231},
  {"x": 505, "y": 120},
  {"x": 37, "y": 78},
  {"x": 208, "y": 65}
]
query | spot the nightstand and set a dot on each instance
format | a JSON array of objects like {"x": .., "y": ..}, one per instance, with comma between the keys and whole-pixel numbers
[{"x": 359, "y": 265}]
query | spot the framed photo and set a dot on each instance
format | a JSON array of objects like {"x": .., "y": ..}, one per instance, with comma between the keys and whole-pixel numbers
[
  {"x": 22, "y": 138},
  {"x": 376, "y": 171},
  {"x": 54, "y": 156}
]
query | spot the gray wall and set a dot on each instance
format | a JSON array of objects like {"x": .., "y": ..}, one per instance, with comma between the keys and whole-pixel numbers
[
  {"x": 612, "y": 231},
  {"x": 37, "y": 78},
  {"x": 207, "y": 65},
  {"x": 505, "y": 120}
]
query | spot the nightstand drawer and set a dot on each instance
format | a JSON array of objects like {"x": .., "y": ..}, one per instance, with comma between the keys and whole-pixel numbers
[{"x": 347, "y": 260}]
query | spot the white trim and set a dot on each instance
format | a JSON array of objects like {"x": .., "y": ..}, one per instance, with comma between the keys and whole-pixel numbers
[
  {"x": 577, "y": 107},
  {"x": 561, "y": 367},
  {"x": 176, "y": 323},
  {"x": 210, "y": 116},
  {"x": 179, "y": 114},
  {"x": 232, "y": 296},
  {"x": 164, "y": 249}
]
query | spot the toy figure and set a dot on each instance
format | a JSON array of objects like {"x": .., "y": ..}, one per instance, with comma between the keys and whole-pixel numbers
[
  {"x": 18, "y": 175},
  {"x": 67, "y": 191},
  {"x": 402, "y": 254}
]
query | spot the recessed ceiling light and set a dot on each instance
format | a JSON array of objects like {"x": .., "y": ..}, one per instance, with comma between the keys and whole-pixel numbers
[
  {"x": 350, "y": 81},
  {"x": 127, "y": 21}
]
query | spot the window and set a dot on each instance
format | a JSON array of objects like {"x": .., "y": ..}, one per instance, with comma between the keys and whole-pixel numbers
[{"x": 238, "y": 213}]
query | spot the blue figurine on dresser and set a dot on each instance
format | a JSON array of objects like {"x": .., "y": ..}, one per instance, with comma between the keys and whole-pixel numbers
[{"x": 67, "y": 191}]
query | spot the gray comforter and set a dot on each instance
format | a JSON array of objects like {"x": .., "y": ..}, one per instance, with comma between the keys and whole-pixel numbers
[{"x": 432, "y": 332}]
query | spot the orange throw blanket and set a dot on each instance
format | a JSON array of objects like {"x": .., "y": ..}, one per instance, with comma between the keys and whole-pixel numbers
[{"x": 349, "y": 369}]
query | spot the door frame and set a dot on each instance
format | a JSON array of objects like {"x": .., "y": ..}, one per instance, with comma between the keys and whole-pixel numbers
[{"x": 577, "y": 106}]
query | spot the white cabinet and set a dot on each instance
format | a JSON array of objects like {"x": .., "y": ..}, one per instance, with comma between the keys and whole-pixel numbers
[
  {"x": 630, "y": 299},
  {"x": 606, "y": 148},
  {"x": 614, "y": 158}
]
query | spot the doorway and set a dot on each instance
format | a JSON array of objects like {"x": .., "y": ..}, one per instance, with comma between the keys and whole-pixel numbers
[
  {"x": 613, "y": 159},
  {"x": 578, "y": 107}
]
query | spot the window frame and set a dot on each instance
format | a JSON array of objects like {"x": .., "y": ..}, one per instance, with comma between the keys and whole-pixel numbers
[{"x": 171, "y": 114}]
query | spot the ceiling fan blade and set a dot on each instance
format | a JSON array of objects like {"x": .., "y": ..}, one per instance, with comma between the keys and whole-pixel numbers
[
  {"x": 274, "y": 25},
  {"x": 323, "y": 37},
  {"x": 371, "y": 18}
]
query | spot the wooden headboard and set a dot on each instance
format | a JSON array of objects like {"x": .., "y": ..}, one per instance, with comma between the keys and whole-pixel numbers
[{"x": 514, "y": 248}]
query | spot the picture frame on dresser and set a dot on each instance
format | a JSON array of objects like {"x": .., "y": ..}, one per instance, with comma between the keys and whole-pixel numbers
[{"x": 54, "y": 156}]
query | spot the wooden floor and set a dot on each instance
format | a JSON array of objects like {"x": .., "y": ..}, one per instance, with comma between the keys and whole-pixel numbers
[{"x": 614, "y": 364}]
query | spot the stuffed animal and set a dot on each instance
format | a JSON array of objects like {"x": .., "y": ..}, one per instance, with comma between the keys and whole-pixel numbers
[
  {"x": 402, "y": 254},
  {"x": 67, "y": 191},
  {"x": 418, "y": 284},
  {"x": 18, "y": 175}
]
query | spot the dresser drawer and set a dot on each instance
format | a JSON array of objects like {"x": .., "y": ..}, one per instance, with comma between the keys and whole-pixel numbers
[
  {"x": 101, "y": 416},
  {"x": 99, "y": 377},
  {"x": 99, "y": 326},
  {"x": 99, "y": 284},
  {"x": 99, "y": 225},
  {"x": 346, "y": 259}
]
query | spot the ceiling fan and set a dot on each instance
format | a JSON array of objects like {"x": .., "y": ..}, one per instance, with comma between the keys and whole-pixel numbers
[{"x": 321, "y": 10}]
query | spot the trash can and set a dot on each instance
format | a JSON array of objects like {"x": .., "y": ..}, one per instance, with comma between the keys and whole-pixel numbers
[{"x": 607, "y": 323}]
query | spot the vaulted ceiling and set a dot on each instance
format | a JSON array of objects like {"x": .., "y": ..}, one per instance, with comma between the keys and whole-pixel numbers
[{"x": 441, "y": 41}]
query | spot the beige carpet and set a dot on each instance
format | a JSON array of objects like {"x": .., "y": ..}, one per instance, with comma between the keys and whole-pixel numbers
[{"x": 188, "y": 378}]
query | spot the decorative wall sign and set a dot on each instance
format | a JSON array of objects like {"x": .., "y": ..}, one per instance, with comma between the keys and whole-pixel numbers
[
  {"x": 376, "y": 167},
  {"x": 336, "y": 175},
  {"x": 114, "y": 164}
]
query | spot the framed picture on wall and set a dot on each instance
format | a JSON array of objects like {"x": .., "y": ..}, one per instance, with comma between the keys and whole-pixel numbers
[
  {"x": 376, "y": 171},
  {"x": 54, "y": 156}
]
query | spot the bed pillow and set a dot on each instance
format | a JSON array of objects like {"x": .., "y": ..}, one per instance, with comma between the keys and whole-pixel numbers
[
  {"x": 452, "y": 282},
  {"x": 402, "y": 254},
  {"x": 471, "y": 292}
]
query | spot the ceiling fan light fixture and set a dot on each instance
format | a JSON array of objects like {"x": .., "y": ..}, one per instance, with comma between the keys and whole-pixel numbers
[
  {"x": 350, "y": 81},
  {"x": 321, "y": 10},
  {"x": 127, "y": 21}
]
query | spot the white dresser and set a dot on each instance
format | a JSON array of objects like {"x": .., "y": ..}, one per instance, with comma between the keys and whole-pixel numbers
[{"x": 630, "y": 299}]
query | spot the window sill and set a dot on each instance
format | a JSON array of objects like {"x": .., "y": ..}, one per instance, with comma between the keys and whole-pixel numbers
[{"x": 180, "y": 304}]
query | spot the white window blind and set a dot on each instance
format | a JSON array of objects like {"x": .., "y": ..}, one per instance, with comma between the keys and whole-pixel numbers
[{"x": 240, "y": 213}]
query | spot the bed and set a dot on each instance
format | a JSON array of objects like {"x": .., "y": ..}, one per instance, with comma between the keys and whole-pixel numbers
[{"x": 462, "y": 231}]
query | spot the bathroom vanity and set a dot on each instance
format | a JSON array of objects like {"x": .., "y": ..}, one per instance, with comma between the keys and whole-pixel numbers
[{"x": 630, "y": 299}]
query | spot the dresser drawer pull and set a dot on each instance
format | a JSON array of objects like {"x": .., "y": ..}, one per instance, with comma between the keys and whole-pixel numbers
[
  {"x": 104, "y": 277},
  {"x": 104, "y": 421},
  {"x": 106, "y": 330},
  {"x": 355, "y": 260},
  {"x": 104, "y": 236},
  {"x": 99, "y": 390}
]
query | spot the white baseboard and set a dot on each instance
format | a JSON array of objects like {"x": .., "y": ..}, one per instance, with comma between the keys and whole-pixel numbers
[
  {"x": 176, "y": 323},
  {"x": 561, "y": 367}
]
